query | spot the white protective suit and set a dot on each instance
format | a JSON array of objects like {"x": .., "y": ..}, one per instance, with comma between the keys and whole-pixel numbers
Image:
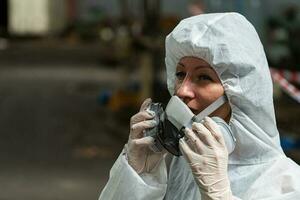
[{"x": 258, "y": 169}]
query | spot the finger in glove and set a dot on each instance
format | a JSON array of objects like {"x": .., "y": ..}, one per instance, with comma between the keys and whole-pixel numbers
[
  {"x": 214, "y": 129},
  {"x": 141, "y": 116},
  {"x": 136, "y": 130},
  {"x": 193, "y": 141},
  {"x": 186, "y": 151},
  {"x": 145, "y": 104},
  {"x": 143, "y": 142},
  {"x": 203, "y": 133}
]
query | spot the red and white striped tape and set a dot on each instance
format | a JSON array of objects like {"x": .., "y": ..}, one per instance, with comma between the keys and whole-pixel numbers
[
  {"x": 285, "y": 85},
  {"x": 291, "y": 76}
]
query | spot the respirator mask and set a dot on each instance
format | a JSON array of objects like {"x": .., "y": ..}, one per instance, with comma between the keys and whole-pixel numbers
[{"x": 177, "y": 116}]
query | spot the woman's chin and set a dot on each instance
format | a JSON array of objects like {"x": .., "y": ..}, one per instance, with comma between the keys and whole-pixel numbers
[{"x": 196, "y": 112}]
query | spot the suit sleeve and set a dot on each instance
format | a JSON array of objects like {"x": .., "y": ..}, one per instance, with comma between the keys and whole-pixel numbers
[{"x": 124, "y": 183}]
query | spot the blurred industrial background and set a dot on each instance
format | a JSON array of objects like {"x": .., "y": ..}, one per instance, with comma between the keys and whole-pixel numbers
[{"x": 72, "y": 72}]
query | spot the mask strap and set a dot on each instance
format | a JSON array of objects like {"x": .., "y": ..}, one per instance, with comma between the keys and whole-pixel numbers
[{"x": 211, "y": 108}]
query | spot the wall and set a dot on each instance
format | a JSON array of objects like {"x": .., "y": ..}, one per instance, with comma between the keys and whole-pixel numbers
[{"x": 36, "y": 17}]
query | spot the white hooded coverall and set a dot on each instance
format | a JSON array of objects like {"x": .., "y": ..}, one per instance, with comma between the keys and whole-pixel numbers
[{"x": 258, "y": 169}]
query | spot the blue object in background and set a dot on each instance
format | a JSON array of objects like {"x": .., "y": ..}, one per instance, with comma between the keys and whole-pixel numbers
[
  {"x": 289, "y": 143},
  {"x": 104, "y": 97}
]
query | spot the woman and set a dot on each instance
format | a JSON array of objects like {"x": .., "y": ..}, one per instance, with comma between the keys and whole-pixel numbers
[{"x": 207, "y": 56}]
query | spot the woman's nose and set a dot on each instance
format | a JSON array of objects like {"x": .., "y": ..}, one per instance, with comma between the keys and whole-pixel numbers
[{"x": 185, "y": 90}]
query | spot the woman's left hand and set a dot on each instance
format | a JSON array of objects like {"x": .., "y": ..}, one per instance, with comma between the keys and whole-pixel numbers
[{"x": 205, "y": 150}]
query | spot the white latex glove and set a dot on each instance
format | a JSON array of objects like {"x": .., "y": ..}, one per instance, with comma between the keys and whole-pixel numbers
[
  {"x": 206, "y": 153},
  {"x": 140, "y": 157}
]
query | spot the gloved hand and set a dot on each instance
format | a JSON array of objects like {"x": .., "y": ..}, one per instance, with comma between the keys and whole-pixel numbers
[
  {"x": 205, "y": 151},
  {"x": 140, "y": 157}
]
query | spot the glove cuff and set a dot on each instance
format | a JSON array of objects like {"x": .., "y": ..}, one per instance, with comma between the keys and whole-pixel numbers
[{"x": 216, "y": 192}]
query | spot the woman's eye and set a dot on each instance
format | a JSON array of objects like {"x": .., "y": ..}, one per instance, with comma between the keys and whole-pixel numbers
[
  {"x": 180, "y": 75},
  {"x": 204, "y": 78}
]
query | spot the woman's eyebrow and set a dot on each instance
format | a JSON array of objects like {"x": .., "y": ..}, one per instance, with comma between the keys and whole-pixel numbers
[
  {"x": 181, "y": 64},
  {"x": 202, "y": 67}
]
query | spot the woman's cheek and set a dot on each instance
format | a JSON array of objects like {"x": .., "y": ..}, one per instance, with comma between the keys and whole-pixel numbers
[{"x": 206, "y": 97}]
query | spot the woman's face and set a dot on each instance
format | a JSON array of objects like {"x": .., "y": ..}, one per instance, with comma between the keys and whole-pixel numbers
[{"x": 198, "y": 85}]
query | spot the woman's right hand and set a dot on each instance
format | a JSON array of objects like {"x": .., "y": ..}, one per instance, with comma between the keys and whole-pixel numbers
[{"x": 140, "y": 157}]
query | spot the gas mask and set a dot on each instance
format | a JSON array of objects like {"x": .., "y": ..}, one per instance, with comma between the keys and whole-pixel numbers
[{"x": 172, "y": 121}]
